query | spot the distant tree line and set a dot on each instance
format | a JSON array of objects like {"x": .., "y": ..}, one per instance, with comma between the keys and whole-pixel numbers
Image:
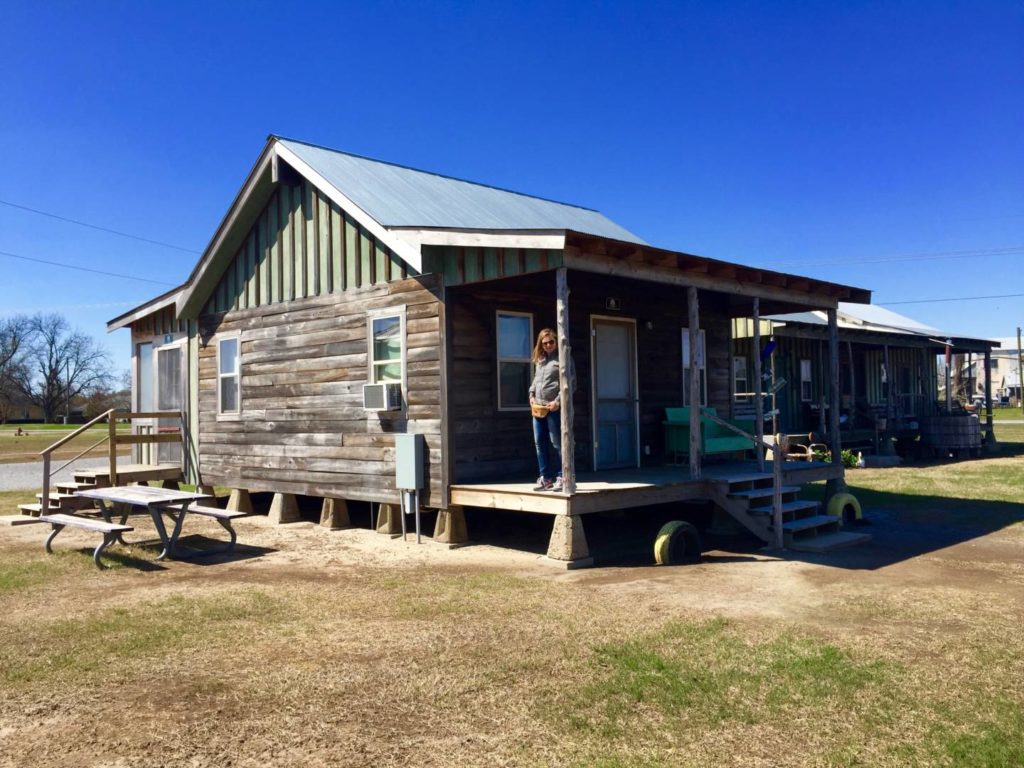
[{"x": 46, "y": 363}]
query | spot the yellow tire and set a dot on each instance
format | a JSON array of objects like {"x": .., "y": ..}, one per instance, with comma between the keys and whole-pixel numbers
[
  {"x": 844, "y": 506},
  {"x": 677, "y": 542}
]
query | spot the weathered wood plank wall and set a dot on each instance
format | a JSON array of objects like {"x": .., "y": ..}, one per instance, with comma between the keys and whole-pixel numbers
[{"x": 302, "y": 428}]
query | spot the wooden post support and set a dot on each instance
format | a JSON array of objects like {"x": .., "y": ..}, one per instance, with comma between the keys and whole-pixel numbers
[
  {"x": 758, "y": 388},
  {"x": 239, "y": 501},
  {"x": 566, "y": 383},
  {"x": 112, "y": 447},
  {"x": 887, "y": 448},
  {"x": 990, "y": 436},
  {"x": 568, "y": 545},
  {"x": 284, "y": 509},
  {"x": 834, "y": 485},
  {"x": 781, "y": 447},
  {"x": 389, "y": 519},
  {"x": 695, "y": 359},
  {"x": 334, "y": 514},
  {"x": 450, "y": 527}
]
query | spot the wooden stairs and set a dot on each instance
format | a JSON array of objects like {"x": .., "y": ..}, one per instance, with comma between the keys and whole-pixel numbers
[
  {"x": 64, "y": 500},
  {"x": 748, "y": 499}
]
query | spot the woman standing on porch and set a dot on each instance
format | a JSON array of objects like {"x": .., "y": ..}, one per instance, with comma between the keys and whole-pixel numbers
[{"x": 544, "y": 405}]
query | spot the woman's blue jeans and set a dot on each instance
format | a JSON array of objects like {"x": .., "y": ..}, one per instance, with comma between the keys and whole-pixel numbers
[{"x": 547, "y": 438}]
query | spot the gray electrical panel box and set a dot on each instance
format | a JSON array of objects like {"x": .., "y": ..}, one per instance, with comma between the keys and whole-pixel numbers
[{"x": 408, "y": 461}]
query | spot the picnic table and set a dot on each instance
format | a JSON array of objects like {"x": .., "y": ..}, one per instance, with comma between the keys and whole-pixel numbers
[{"x": 156, "y": 501}]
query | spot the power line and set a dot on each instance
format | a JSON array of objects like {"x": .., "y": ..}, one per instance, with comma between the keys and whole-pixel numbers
[
  {"x": 955, "y": 298},
  {"x": 934, "y": 256},
  {"x": 97, "y": 227},
  {"x": 84, "y": 269}
]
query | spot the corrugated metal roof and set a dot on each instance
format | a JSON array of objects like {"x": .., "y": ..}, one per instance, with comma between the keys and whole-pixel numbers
[{"x": 397, "y": 196}]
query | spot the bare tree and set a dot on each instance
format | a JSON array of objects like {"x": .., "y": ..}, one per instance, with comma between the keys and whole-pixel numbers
[
  {"x": 14, "y": 335},
  {"x": 60, "y": 365}
]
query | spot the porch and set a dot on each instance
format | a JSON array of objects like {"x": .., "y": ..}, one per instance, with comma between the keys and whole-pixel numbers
[{"x": 621, "y": 489}]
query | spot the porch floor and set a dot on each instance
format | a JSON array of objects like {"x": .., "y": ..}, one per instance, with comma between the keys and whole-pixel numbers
[{"x": 617, "y": 489}]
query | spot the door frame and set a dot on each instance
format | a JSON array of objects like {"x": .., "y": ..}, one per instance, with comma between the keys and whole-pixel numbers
[{"x": 631, "y": 324}]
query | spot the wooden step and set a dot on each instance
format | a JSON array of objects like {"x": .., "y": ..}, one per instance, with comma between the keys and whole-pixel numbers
[
  {"x": 754, "y": 493},
  {"x": 749, "y": 478},
  {"x": 31, "y": 509},
  {"x": 788, "y": 507},
  {"x": 18, "y": 520},
  {"x": 66, "y": 501},
  {"x": 808, "y": 523},
  {"x": 827, "y": 542},
  {"x": 72, "y": 487}
]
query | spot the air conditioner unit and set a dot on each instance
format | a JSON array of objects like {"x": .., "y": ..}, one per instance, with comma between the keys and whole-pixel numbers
[{"x": 386, "y": 396}]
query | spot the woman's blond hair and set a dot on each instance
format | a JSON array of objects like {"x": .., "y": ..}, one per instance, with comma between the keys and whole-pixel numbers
[{"x": 538, "y": 349}]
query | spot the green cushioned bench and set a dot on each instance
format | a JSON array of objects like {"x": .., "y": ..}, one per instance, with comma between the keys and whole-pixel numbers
[{"x": 714, "y": 438}]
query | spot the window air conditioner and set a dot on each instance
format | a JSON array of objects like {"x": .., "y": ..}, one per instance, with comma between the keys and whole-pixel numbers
[{"x": 386, "y": 396}]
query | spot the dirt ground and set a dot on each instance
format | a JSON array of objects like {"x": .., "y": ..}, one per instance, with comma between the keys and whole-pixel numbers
[{"x": 403, "y": 690}]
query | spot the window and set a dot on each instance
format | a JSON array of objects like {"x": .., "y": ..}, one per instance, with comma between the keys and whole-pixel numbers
[
  {"x": 700, "y": 366},
  {"x": 740, "y": 382},
  {"x": 228, "y": 376},
  {"x": 806, "y": 390},
  {"x": 387, "y": 348},
  {"x": 515, "y": 349}
]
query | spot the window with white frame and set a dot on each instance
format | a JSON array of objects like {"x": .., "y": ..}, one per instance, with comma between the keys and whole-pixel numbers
[
  {"x": 387, "y": 348},
  {"x": 515, "y": 351},
  {"x": 700, "y": 358},
  {"x": 229, "y": 366},
  {"x": 806, "y": 387},
  {"x": 740, "y": 380}
]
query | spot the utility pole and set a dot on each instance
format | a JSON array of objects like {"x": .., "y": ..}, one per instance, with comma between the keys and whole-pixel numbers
[
  {"x": 1020, "y": 373},
  {"x": 67, "y": 392}
]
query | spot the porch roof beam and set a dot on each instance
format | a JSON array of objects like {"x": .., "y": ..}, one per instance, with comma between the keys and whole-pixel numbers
[{"x": 575, "y": 259}]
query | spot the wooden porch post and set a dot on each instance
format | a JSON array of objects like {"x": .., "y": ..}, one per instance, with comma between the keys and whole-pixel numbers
[
  {"x": 887, "y": 447},
  {"x": 990, "y": 437},
  {"x": 692, "y": 306},
  {"x": 834, "y": 485},
  {"x": 853, "y": 382},
  {"x": 758, "y": 400},
  {"x": 566, "y": 382}
]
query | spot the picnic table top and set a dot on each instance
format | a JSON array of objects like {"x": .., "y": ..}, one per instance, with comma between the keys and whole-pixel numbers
[{"x": 141, "y": 495}]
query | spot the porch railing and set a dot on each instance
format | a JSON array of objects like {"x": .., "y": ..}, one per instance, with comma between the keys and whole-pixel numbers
[
  {"x": 113, "y": 440},
  {"x": 778, "y": 457}
]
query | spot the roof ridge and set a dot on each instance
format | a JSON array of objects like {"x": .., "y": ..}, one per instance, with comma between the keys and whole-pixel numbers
[{"x": 432, "y": 173}]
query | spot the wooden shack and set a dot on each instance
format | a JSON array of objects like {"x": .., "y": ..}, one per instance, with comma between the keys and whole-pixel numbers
[
  {"x": 334, "y": 278},
  {"x": 888, "y": 374}
]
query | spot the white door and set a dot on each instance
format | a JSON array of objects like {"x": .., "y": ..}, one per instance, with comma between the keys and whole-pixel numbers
[
  {"x": 170, "y": 396},
  {"x": 615, "y": 393}
]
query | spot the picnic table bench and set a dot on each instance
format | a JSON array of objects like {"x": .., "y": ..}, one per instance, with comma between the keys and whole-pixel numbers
[{"x": 111, "y": 531}]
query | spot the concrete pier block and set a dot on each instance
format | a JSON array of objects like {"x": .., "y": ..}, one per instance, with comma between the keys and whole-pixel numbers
[
  {"x": 450, "y": 527},
  {"x": 568, "y": 545},
  {"x": 389, "y": 519},
  {"x": 334, "y": 514},
  {"x": 239, "y": 501},
  {"x": 284, "y": 508}
]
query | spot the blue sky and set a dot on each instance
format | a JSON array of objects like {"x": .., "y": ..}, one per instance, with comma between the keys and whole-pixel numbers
[{"x": 878, "y": 144}]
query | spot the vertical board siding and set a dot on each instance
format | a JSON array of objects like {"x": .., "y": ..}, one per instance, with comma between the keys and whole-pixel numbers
[
  {"x": 303, "y": 364},
  {"x": 302, "y": 245},
  {"x": 465, "y": 265}
]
